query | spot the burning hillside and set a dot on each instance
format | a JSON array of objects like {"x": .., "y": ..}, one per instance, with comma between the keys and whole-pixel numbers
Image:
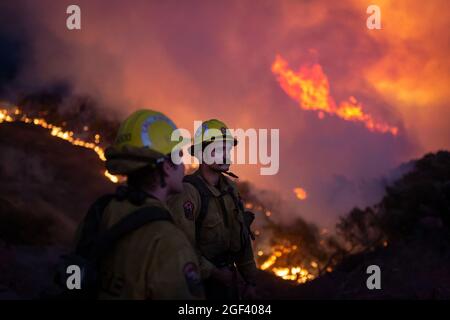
[
  {"x": 369, "y": 100},
  {"x": 296, "y": 251},
  {"x": 17, "y": 115},
  {"x": 412, "y": 220}
]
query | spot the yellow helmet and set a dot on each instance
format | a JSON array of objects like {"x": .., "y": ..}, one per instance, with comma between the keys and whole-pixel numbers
[
  {"x": 210, "y": 131},
  {"x": 144, "y": 138}
]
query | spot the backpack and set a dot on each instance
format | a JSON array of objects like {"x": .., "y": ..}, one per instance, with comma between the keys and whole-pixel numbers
[{"x": 94, "y": 245}]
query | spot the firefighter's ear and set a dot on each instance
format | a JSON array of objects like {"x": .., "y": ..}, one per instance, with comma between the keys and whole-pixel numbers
[{"x": 167, "y": 167}]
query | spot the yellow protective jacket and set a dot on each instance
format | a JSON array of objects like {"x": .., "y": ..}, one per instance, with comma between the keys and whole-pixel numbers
[
  {"x": 222, "y": 230},
  {"x": 155, "y": 261}
]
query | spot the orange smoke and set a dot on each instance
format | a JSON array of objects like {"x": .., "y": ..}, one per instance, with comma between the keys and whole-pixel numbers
[
  {"x": 310, "y": 87},
  {"x": 300, "y": 193}
]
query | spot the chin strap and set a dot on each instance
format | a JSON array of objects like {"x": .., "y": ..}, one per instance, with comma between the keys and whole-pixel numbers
[{"x": 231, "y": 174}]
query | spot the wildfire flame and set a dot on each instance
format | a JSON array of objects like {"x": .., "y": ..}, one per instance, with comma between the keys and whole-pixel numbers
[
  {"x": 298, "y": 274},
  {"x": 282, "y": 259},
  {"x": 310, "y": 87},
  {"x": 16, "y": 115},
  {"x": 300, "y": 193}
]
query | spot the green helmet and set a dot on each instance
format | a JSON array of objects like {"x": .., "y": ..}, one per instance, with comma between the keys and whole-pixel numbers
[
  {"x": 211, "y": 131},
  {"x": 144, "y": 138}
]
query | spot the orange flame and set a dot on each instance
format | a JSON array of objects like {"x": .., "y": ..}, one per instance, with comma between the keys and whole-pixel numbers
[
  {"x": 17, "y": 115},
  {"x": 300, "y": 193},
  {"x": 310, "y": 87},
  {"x": 298, "y": 274}
]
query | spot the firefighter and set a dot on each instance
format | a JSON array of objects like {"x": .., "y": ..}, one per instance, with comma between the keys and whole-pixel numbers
[
  {"x": 211, "y": 213},
  {"x": 151, "y": 258}
]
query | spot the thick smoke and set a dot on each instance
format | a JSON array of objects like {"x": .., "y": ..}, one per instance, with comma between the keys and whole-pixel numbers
[{"x": 201, "y": 59}]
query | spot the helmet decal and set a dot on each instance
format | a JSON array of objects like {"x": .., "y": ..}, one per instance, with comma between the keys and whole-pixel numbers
[{"x": 146, "y": 141}]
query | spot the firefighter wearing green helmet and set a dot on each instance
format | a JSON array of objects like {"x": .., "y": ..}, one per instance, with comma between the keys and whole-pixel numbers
[
  {"x": 211, "y": 213},
  {"x": 143, "y": 254}
]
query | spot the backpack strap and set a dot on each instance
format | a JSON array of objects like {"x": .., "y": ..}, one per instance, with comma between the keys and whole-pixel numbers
[
  {"x": 205, "y": 195},
  {"x": 90, "y": 232},
  {"x": 91, "y": 224},
  {"x": 248, "y": 216},
  {"x": 230, "y": 190},
  {"x": 126, "y": 225}
]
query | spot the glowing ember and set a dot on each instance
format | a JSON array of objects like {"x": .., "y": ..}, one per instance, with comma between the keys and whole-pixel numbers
[
  {"x": 18, "y": 116},
  {"x": 300, "y": 193},
  {"x": 310, "y": 87}
]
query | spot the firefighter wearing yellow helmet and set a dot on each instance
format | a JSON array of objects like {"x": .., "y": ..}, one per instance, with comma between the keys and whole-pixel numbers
[
  {"x": 211, "y": 212},
  {"x": 143, "y": 254}
]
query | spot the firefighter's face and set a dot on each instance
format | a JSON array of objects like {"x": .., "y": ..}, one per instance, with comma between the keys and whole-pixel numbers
[
  {"x": 221, "y": 156},
  {"x": 174, "y": 176}
]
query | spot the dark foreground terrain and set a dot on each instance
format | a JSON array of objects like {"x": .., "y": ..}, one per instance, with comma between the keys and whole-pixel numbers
[{"x": 46, "y": 186}]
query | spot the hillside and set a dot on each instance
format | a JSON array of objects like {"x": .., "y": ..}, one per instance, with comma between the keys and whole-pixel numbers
[{"x": 47, "y": 185}]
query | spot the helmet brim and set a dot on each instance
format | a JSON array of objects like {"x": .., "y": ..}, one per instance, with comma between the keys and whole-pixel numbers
[
  {"x": 204, "y": 144},
  {"x": 125, "y": 160}
]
